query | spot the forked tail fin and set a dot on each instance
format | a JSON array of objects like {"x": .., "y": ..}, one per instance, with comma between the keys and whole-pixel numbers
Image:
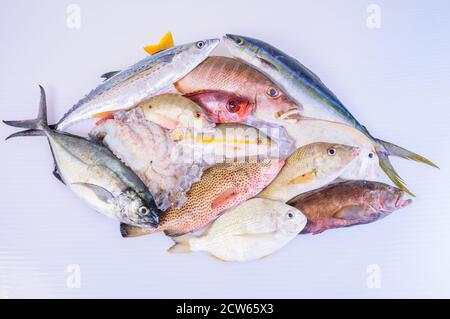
[
  {"x": 36, "y": 126},
  {"x": 386, "y": 149}
]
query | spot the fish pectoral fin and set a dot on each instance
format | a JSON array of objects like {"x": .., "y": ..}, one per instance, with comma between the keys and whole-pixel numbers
[
  {"x": 304, "y": 178},
  {"x": 224, "y": 198},
  {"x": 102, "y": 193},
  {"x": 349, "y": 212},
  {"x": 108, "y": 75},
  {"x": 165, "y": 43},
  {"x": 268, "y": 63},
  {"x": 102, "y": 115}
]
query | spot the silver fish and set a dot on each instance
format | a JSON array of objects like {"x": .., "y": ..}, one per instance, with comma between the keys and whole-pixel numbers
[
  {"x": 150, "y": 76},
  {"x": 315, "y": 100},
  {"x": 94, "y": 173}
]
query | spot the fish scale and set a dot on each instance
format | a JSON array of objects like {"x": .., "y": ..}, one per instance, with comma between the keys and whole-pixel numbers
[{"x": 223, "y": 186}]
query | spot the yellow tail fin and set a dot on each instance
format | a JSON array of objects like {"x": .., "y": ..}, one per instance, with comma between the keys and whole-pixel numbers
[{"x": 165, "y": 43}]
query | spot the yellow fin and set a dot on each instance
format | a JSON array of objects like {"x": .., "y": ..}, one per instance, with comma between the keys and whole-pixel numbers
[
  {"x": 165, "y": 43},
  {"x": 304, "y": 178}
]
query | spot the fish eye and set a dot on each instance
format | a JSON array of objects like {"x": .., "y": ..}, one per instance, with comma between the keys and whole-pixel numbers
[
  {"x": 290, "y": 215},
  {"x": 240, "y": 41},
  {"x": 143, "y": 210},
  {"x": 233, "y": 107},
  {"x": 371, "y": 155},
  {"x": 197, "y": 115},
  {"x": 331, "y": 151},
  {"x": 273, "y": 92},
  {"x": 200, "y": 44}
]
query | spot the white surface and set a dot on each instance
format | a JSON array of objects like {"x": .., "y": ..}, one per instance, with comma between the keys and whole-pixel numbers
[{"x": 394, "y": 79}]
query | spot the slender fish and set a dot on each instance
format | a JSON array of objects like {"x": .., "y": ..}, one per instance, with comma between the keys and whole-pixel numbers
[
  {"x": 125, "y": 89},
  {"x": 94, "y": 173}
]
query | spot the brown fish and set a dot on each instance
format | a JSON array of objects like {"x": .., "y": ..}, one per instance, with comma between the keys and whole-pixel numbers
[
  {"x": 348, "y": 203},
  {"x": 222, "y": 187},
  {"x": 218, "y": 73}
]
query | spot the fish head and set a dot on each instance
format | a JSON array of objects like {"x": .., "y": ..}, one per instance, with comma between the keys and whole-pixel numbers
[
  {"x": 245, "y": 48},
  {"x": 327, "y": 159},
  {"x": 256, "y": 174},
  {"x": 192, "y": 54},
  {"x": 289, "y": 219},
  {"x": 386, "y": 199},
  {"x": 196, "y": 119},
  {"x": 364, "y": 167},
  {"x": 223, "y": 107},
  {"x": 136, "y": 210}
]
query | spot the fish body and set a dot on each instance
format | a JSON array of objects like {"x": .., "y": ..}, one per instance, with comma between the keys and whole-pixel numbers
[
  {"x": 222, "y": 186},
  {"x": 225, "y": 142},
  {"x": 309, "y": 167},
  {"x": 254, "y": 229},
  {"x": 348, "y": 203},
  {"x": 125, "y": 89},
  {"x": 223, "y": 107},
  {"x": 219, "y": 73},
  {"x": 173, "y": 111},
  {"x": 314, "y": 99},
  {"x": 306, "y": 131},
  {"x": 147, "y": 149},
  {"x": 94, "y": 173}
]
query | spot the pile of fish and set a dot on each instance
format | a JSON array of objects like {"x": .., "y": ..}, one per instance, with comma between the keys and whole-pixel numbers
[{"x": 254, "y": 148}]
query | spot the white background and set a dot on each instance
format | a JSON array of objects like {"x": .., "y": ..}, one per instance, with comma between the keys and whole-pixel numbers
[{"x": 394, "y": 79}]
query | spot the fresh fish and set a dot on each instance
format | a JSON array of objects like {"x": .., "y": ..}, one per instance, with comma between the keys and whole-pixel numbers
[
  {"x": 219, "y": 73},
  {"x": 254, "y": 229},
  {"x": 173, "y": 111},
  {"x": 222, "y": 187},
  {"x": 348, "y": 203},
  {"x": 125, "y": 89},
  {"x": 223, "y": 107},
  {"x": 225, "y": 142},
  {"x": 94, "y": 173},
  {"x": 307, "y": 130},
  {"x": 148, "y": 150},
  {"x": 166, "y": 42},
  {"x": 310, "y": 167},
  {"x": 315, "y": 100}
]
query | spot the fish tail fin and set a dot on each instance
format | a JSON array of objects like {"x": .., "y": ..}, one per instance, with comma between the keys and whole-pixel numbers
[
  {"x": 182, "y": 244},
  {"x": 387, "y": 167},
  {"x": 396, "y": 150},
  {"x": 36, "y": 126},
  {"x": 165, "y": 43}
]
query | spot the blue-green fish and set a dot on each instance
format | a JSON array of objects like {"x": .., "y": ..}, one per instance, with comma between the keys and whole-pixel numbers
[{"x": 314, "y": 99}]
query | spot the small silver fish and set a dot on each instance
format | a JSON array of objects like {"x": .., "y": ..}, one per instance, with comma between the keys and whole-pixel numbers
[
  {"x": 150, "y": 76},
  {"x": 94, "y": 173}
]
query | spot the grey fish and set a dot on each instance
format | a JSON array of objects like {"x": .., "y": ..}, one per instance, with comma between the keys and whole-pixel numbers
[
  {"x": 314, "y": 98},
  {"x": 94, "y": 173},
  {"x": 124, "y": 89}
]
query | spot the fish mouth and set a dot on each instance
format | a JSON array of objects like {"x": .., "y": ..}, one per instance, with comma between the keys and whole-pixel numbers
[{"x": 402, "y": 202}]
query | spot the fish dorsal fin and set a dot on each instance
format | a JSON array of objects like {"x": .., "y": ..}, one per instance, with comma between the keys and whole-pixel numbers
[
  {"x": 108, "y": 75},
  {"x": 166, "y": 42},
  {"x": 349, "y": 212},
  {"x": 224, "y": 198},
  {"x": 304, "y": 178},
  {"x": 102, "y": 193}
]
